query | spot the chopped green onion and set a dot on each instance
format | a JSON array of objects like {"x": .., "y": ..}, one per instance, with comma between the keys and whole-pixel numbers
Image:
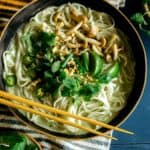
[
  {"x": 67, "y": 60},
  {"x": 10, "y": 80},
  {"x": 39, "y": 93},
  {"x": 27, "y": 59},
  {"x": 85, "y": 60}
]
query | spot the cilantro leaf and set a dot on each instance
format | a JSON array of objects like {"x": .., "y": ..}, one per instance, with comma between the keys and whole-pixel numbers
[
  {"x": 89, "y": 90},
  {"x": 70, "y": 86},
  {"x": 138, "y": 18}
]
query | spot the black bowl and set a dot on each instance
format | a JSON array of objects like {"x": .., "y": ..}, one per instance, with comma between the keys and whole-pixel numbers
[{"x": 121, "y": 22}]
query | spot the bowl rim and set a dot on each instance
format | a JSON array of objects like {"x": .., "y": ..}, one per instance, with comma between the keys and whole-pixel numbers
[{"x": 49, "y": 135}]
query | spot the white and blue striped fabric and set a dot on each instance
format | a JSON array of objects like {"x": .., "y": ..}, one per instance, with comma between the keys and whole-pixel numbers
[{"x": 9, "y": 122}]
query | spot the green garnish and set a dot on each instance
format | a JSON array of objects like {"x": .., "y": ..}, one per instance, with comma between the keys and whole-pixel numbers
[
  {"x": 48, "y": 56},
  {"x": 27, "y": 60},
  {"x": 114, "y": 70},
  {"x": 85, "y": 60},
  {"x": 81, "y": 68},
  {"x": 111, "y": 73},
  {"x": 43, "y": 41},
  {"x": 32, "y": 73},
  {"x": 39, "y": 93},
  {"x": 62, "y": 75},
  {"x": 81, "y": 78},
  {"x": 138, "y": 18},
  {"x": 67, "y": 60},
  {"x": 47, "y": 75},
  {"x": 89, "y": 90},
  {"x": 96, "y": 64},
  {"x": 55, "y": 66},
  {"x": 142, "y": 19},
  {"x": 10, "y": 80},
  {"x": 48, "y": 40},
  {"x": 15, "y": 141},
  {"x": 27, "y": 40},
  {"x": 70, "y": 86}
]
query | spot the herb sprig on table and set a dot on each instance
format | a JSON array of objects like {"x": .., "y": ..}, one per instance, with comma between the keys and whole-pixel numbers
[
  {"x": 143, "y": 18},
  {"x": 15, "y": 141}
]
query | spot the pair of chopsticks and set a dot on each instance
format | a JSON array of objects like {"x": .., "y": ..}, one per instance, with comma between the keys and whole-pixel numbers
[
  {"x": 8, "y": 100},
  {"x": 12, "y": 5},
  {"x": 8, "y": 8}
]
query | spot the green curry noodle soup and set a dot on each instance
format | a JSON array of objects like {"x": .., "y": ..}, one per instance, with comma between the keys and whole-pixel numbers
[{"x": 72, "y": 58}]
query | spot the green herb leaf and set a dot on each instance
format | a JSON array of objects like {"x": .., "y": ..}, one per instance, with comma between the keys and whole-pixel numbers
[
  {"x": 47, "y": 75},
  {"x": 10, "y": 80},
  {"x": 138, "y": 18},
  {"x": 81, "y": 68},
  {"x": 70, "y": 86},
  {"x": 39, "y": 93},
  {"x": 27, "y": 59},
  {"x": 71, "y": 83},
  {"x": 27, "y": 40},
  {"x": 48, "y": 56},
  {"x": 48, "y": 39},
  {"x": 15, "y": 141},
  {"x": 89, "y": 90},
  {"x": 105, "y": 78},
  {"x": 55, "y": 66},
  {"x": 42, "y": 41},
  {"x": 62, "y": 75}
]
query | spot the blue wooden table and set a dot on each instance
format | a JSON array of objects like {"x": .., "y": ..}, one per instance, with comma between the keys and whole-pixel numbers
[{"x": 139, "y": 121}]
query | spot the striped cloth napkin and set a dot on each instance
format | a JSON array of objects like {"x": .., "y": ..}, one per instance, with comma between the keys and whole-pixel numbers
[{"x": 9, "y": 122}]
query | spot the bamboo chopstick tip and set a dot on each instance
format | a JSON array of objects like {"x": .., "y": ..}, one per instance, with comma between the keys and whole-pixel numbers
[
  {"x": 131, "y": 133},
  {"x": 114, "y": 138}
]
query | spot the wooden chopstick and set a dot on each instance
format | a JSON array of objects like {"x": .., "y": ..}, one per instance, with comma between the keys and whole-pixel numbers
[
  {"x": 10, "y": 8},
  {"x": 7, "y": 14},
  {"x": 25, "y": 108},
  {"x": 13, "y": 2},
  {"x": 61, "y": 112}
]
